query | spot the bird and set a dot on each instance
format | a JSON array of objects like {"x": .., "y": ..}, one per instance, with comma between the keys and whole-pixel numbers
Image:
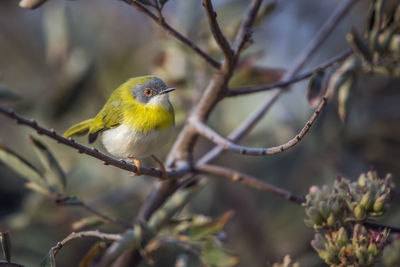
[{"x": 135, "y": 122}]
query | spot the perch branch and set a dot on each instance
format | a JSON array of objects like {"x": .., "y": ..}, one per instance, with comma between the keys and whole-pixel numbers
[
  {"x": 107, "y": 160},
  {"x": 248, "y": 180},
  {"x": 214, "y": 137},
  {"x": 285, "y": 83},
  {"x": 163, "y": 24}
]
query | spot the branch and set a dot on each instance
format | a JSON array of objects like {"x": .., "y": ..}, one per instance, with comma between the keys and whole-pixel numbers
[
  {"x": 161, "y": 22},
  {"x": 249, "y": 180},
  {"x": 213, "y": 136},
  {"x": 216, "y": 30},
  {"x": 287, "y": 82},
  {"x": 377, "y": 226},
  {"x": 73, "y": 235},
  {"x": 107, "y": 160},
  {"x": 244, "y": 33},
  {"x": 73, "y": 201},
  {"x": 305, "y": 55}
]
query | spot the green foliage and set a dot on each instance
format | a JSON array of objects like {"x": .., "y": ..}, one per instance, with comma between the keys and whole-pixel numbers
[
  {"x": 337, "y": 213},
  {"x": 52, "y": 182},
  {"x": 362, "y": 248}
]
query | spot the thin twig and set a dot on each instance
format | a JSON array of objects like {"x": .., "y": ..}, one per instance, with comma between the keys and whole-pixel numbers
[
  {"x": 216, "y": 30},
  {"x": 249, "y": 180},
  {"x": 378, "y": 226},
  {"x": 214, "y": 137},
  {"x": 107, "y": 160},
  {"x": 304, "y": 56},
  {"x": 160, "y": 21},
  {"x": 66, "y": 201},
  {"x": 75, "y": 235},
  {"x": 285, "y": 83}
]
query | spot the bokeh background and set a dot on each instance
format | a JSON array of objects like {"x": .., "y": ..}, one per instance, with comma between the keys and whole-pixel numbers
[{"x": 65, "y": 58}]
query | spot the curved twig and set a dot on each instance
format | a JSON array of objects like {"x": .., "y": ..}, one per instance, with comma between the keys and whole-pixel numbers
[{"x": 214, "y": 137}]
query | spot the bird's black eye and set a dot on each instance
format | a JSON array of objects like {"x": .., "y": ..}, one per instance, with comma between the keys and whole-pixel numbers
[{"x": 148, "y": 92}]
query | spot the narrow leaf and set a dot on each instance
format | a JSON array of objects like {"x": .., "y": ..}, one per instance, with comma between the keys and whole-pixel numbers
[
  {"x": 86, "y": 223},
  {"x": 216, "y": 256},
  {"x": 22, "y": 167},
  {"x": 49, "y": 260},
  {"x": 54, "y": 173},
  {"x": 94, "y": 254},
  {"x": 343, "y": 96},
  {"x": 208, "y": 229},
  {"x": 314, "y": 91},
  {"x": 6, "y": 245},
  {"x": 359, "y": 46}
]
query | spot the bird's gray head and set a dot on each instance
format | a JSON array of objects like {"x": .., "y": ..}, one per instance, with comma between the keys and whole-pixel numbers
[{"x": 152, "y": 91}]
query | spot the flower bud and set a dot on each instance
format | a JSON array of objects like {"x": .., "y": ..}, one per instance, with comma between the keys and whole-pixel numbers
[
  {"x": 341, "y": 237},
  {"x": 380, "y": 202},
  {"x": 314, "y": 215},
  {"x": 359, "y": 212},
  {"x": 366, "y": 201},
  {"x": 330, "y": 222}
]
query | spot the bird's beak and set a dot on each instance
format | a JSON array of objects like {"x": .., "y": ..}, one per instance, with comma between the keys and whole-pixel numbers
[{"x": 167, "y": 90}]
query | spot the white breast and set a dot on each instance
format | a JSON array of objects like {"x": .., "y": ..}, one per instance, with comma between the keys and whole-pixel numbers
[{"x": 124, "y": 142}]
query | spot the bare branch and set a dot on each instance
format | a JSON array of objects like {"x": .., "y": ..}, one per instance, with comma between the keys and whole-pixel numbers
[
  {"x": 73, "y": 235},
  {"x": 306, "y": 54},
  {"x": 216, "y": 31},
  {"x": 249, "y": 180},
  {"x": 163, "y": 24},
  {"x": 213, "y": 136},
  {"x": 285, "y": 83},
  {"x": 244, "y": 35},
  {"x": 107, "y": 160}
]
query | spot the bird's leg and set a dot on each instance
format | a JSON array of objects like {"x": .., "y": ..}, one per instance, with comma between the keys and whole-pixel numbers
[
  {"x": 138, "y": 165},
  {"x": 161, "y": 167}
]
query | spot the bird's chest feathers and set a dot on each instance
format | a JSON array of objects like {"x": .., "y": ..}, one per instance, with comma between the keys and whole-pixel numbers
[{"x": 146, "y": 118}]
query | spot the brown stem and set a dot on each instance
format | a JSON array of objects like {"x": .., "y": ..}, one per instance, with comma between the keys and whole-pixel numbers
[{"x": 160, "y": 21}]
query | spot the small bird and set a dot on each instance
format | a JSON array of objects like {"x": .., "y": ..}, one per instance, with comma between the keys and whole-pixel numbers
[{"x": 136, "y": 121}]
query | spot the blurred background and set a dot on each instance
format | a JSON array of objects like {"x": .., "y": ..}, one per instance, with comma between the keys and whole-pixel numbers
[{"x": 65, "y": 58}]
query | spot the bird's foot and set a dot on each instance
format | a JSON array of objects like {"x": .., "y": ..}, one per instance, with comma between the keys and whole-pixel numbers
[
  {"x": 138, "y": 165},
  {"x": 161, "y": 167}
]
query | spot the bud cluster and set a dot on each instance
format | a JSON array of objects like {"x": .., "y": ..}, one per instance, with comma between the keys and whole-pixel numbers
[
  {"x": 337, "y": 214},
  {"x": 339, "y": 249},
  {"x": 330, "y": 208}
]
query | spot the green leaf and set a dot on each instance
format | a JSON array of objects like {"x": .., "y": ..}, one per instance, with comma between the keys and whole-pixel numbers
[
  {"x": 359, "y": 46},
  {"x": 49, "y": 260},
  {"x": 6, "y": 245},
  {"x": 94, "y": 254},
  {"x": 5, "y": 94},
  {"x": 216, "y": 256},
  {"x": 314, "y": 87},
  {"x": 343, "y": 96},
  {"x": 208, "y": 229},
  {"x": 87, "y": 223},
  {"x": 54, "y": 173},
  {"x": 22, "y": 167}
]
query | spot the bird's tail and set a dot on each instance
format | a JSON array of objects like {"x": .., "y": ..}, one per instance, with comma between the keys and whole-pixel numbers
[{"x": 81, "y": 128}]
